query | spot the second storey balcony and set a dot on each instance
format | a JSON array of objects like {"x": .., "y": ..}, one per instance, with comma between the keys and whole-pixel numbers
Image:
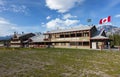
[{"x": 71, "y": 39}]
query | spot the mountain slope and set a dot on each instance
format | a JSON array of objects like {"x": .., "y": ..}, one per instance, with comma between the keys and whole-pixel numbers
[
  {"x": 109, "y": 29},
  {"x": 5, "y": 37}
]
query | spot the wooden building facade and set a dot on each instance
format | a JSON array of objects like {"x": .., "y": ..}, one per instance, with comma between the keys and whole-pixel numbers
[
  {"x": 81, "y": 37},
  {"x": 20, "y": 40}
]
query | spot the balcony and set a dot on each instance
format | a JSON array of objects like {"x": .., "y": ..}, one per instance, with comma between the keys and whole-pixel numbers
[
  {"x": 15, "y": 42},
  {"x": 71, "y": 39},
  {"x": 46, "y": 39}
]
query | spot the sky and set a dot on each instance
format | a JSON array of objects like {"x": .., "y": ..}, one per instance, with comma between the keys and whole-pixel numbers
[{"x": 45, "y": 15}]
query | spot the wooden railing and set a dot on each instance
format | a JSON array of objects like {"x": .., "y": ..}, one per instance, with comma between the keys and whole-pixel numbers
[{"x": 72, "y": 39}]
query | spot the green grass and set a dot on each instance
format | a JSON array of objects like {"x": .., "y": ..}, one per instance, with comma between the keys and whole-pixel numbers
[{"x": 58, "y": 63}]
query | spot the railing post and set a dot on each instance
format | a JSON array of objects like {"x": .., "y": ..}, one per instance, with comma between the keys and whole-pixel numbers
[
  {"x": 101, "y": 47},
  {"x": 119, "y": 48}
]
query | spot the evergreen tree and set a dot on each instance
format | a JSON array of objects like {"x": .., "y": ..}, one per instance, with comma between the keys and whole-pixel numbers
[{"x": 116, "y": 39}]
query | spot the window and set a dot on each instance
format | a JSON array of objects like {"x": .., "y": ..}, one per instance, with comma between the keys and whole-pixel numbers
[
  {"x": 86, "y": 34},
  {"x": 67, "y": 36},
  {"x": 57, "y": 35},
  {"x": 53, "y": 36},
  {"x": 85, "y": 43},
  {"x": 63, "y": 44},
  {"x": 61, "y": 36},
  {"x": 79, "y": 35},
  {"x": 72, "y": 35},
  {"x": 80, "y": 43},
  {"x": 74, "y": 43},
  {"x": 57, "y": 44}
]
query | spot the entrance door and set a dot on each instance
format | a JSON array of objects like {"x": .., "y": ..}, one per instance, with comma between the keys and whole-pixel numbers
[{"x": 94, "y": 45}]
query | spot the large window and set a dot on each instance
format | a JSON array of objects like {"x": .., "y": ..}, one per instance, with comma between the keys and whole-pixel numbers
[
  {"x": 85, "y": 43},
  {"x": 66, "y": 36},
  {"x": 86, "y": 34},
  {"x": 79, "y": 34},
  {"x": 57, "y": 44},
  {"x": 74, "y": 43},
  {"x": 72, "y": 35},
  {"x": 61, "y": 36},
  {"x": 80, "y": 43},
  {"x": 53, "y": 36},
  {"x": 63, "y": 44},
  {"x": 57, "y": 35}
]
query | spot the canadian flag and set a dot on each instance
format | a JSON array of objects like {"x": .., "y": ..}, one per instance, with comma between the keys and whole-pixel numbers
[{"x": 105, "y": 20}]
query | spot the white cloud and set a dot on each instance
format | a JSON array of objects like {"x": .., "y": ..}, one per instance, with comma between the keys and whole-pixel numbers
[
  {"x": 66, "y": 16},
  {"x": 17, "y": 9},
  {"x": 69, "y": 22},
  {"x": 8, "y": 28},
  {"x": 117, "y": 16},
  {"x": 48, "y": 17},
  {"x": 54, "y": 23},
  {"x": 62, "y": 6},
  {"x": 62, "y": 22},
  {"x": 14, "y": 8},
  {"x": 3, "y": 21}
]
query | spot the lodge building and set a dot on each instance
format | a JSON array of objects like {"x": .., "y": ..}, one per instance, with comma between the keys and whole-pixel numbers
[
  {"x": 83, "y": 37},
  {"x": 20, "y": 40}
]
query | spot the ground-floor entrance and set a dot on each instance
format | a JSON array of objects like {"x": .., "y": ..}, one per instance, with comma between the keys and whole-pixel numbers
[{"x": 98, "y": 44}]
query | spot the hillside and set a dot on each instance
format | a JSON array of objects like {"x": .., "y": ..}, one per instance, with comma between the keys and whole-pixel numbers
[
  {"x": 110, "y": 29},
  {"x": 5, "y": 37}
]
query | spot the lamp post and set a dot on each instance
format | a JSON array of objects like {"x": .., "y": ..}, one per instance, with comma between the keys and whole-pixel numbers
[{"x": 89, "y": 20}]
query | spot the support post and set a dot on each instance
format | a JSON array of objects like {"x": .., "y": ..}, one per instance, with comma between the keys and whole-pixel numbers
[{"x": 119, "y": 48}]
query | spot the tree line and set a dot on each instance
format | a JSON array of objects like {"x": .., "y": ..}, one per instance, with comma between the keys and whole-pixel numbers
[{"x": 115, "y": 39}]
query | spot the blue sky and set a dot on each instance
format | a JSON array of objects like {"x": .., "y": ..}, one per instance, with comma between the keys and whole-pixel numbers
[{"x": 44, "y": 15}]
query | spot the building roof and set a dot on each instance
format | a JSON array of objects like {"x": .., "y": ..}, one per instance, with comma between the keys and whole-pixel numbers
[
  {"x": 24, "y": 36},
  {"x": 27, "y": 35},
  {"x": 71, "y": 29},
  {"x": 38, "y": 38},
  {"x": 100, "y": 35}
]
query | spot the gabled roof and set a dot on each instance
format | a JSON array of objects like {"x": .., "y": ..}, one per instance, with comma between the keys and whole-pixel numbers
[
  {"x": 38, "y": 38},
  {"x": 71, "y": 29},
  {"x": 27, "y": 35},
  {"x": 100, "y": 35},
  {"x": 24, "y": 36}
]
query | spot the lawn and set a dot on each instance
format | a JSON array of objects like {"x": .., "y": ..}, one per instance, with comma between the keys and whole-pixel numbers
[{"x": 59, "y": 63}]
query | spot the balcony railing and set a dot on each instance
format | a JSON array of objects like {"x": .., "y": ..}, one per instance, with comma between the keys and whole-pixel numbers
[
  {"x": 72, "y": 39},
  {"x": 46, "y": 39},
  {"x": 15, "y": 42}
]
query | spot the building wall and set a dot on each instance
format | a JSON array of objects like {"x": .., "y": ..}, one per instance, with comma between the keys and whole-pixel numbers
[
  {"x": 15, "y": 42},
  {"x": 79, "y": 47},
  {"x": 100, "y": 44},
  {"x": 71, "y": 45},
  {"x": 65, "y": 40},
  {"x": 38, "y": 45},
  {"x": 15, "y": 45}
]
